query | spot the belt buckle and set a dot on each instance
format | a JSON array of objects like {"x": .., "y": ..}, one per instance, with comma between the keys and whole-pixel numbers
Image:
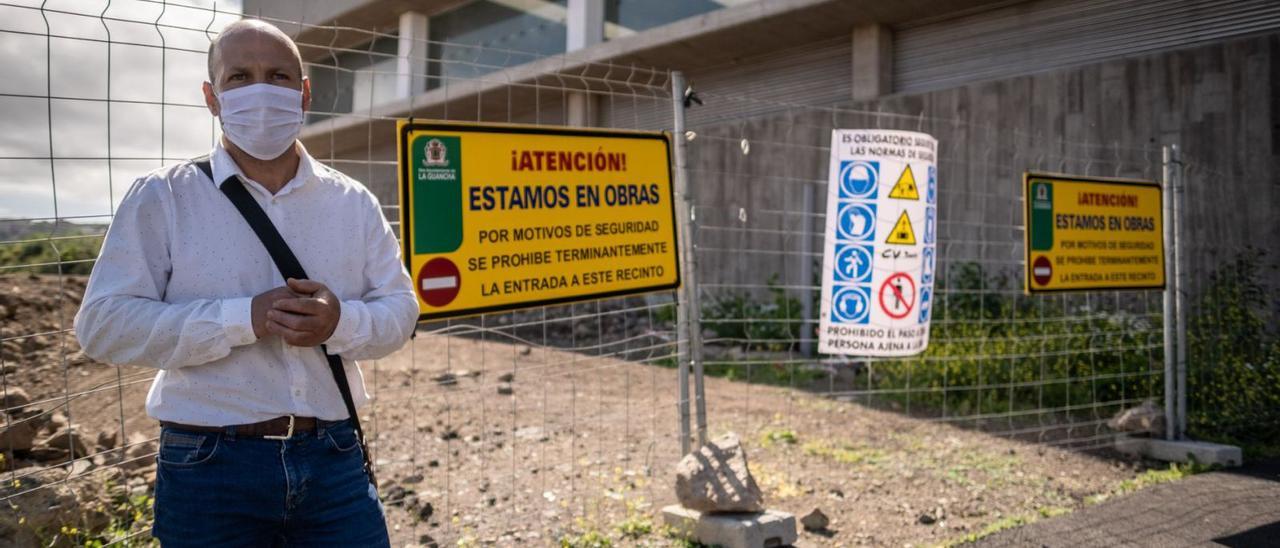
[{"x": 287, "y": 435}]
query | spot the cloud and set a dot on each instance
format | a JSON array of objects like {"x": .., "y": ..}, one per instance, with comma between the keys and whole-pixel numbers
[{"x": 93, "y": 84}]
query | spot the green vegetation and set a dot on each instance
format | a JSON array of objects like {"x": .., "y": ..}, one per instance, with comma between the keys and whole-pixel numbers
[
  {"x": 994, "y": 351},
  {"x": 773, "y": 436},
  {"x": 47, "y": 244},
  {"x": 589, "y": 539},
  {"x": 1009, "y": 522},
  {"x": 846, "y": 453},
  {"x": 1233, "y": 359},
  {"x": 131, "y": 518},
  {"x": 771, "y": 324},
  {"x": 635, "y": 526},
  {"x": 1151, "y": 477}
]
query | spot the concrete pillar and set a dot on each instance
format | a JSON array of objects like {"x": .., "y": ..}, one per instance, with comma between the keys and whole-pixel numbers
[
  {"x": 585, "y": 25},
  {"x": 584, "y": 28},
  {"x": 872, "y": 61},
  {"x": 411, "y": 52}
]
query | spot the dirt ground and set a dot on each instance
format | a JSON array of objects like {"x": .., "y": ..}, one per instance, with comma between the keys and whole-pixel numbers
[
  {"x": 585, "y": 445},
  {"x": 503, "y": 442}
]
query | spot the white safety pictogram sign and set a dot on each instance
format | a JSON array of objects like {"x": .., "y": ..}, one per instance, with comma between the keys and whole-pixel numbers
[{"x": 880, "y": 253}]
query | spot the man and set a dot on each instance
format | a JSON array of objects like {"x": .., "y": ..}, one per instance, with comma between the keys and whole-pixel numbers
[{"x": 256, "y": 448}]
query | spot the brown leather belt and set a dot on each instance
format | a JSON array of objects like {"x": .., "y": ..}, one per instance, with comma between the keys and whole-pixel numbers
[{"x": 278, "y": 428}]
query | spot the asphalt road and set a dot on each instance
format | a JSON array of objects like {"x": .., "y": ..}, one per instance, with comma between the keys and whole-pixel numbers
[{"x": 1235, "y": 508}]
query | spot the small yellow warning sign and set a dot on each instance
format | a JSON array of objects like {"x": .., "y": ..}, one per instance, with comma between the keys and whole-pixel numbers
[
  {"x": 905, "y": 188},
  {"x": 902, "y": 233}
]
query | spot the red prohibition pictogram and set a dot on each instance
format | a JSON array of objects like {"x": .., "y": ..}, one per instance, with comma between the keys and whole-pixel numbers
[
  {"x": 439, "y": 282},
  {"x": 898, "y": 295},
  {"x": 1042, "y": 270}
]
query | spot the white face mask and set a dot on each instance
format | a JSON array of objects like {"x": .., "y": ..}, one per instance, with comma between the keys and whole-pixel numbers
[{"x": 262, "y": 119}]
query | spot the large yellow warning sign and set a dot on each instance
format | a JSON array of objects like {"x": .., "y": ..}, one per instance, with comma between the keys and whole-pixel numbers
[
  {"x": 1090, "y": 233},
  {"x": 498, "y": 217},
  {"x": 902, "y": 233},
  {"x": 905, "y": 188}
]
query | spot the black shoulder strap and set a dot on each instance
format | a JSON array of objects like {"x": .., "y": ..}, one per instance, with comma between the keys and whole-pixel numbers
[{"x": 289, "y": 267}]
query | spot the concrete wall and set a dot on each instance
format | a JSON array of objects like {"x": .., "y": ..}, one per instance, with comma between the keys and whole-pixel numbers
[{"x": 1220, "y": 102}]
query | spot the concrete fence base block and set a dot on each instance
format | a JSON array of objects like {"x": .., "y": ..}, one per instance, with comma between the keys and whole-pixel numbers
[
  {"x": 1181, "y": 451},
  {"x": 762, "y": 530}
]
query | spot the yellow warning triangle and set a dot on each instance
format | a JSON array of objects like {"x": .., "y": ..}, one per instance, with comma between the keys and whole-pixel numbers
[
  {"x": 902, "y": 233},
  {"x": 905, "y": 188}
]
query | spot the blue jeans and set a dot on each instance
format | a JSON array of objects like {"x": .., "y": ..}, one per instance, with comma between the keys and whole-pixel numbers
[{"x": 216, "y": 489}]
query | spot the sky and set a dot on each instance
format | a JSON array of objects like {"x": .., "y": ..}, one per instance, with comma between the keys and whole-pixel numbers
[{"x": 99, "y": 107}]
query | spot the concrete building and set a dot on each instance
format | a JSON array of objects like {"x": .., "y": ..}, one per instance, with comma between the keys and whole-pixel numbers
[{"x": 1006, "y": 85}]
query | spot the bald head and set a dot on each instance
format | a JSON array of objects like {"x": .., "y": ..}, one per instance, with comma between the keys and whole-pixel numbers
[
  {"x": 250, "y": 52},
  {"x": 250, "y": 41}
]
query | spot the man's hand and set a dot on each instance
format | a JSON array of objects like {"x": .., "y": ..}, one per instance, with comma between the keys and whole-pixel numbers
[
  {"x": 308, "y": 317},
  {"x": 264, "y": 302}
]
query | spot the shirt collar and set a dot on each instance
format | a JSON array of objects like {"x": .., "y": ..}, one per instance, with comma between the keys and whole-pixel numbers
[{"x": 225, "y": 166}]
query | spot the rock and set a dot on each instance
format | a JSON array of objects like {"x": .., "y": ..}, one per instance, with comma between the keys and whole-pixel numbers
[
  {"x": 138, "y": 451},
  {"x": 506, "y": 377},
  {"x": 69, "y": 439},
  {"x": 446, "y": 379},
  {"x": 49, "y": 454},
  {"x": 57, "y": 422},
  {"x": 396, "y": 495},
  {"x": 107, "y": 440},
  {"x": 1143, "y": 419},
  {"x": 425, "y": 510},
  {"x": 505, "y": 389},
  {"x": 51, "y": 499},
  {"x": 716, "y": 478},
  {"x": 412, "y": 480},
  {"x": 815, "y": 521},
  {"x": 21, "y": 435},
  {"x": 932, "y": 516},
  {"x": 526, "y": 351},
  {"x": 13, "y": 400}
]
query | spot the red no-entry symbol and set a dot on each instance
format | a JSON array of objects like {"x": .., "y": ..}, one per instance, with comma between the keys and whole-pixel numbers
[
  {"x": 1042, "y": 270},
  {"x": 439, "y": 282},
  {"x": 898, "y": 295}
]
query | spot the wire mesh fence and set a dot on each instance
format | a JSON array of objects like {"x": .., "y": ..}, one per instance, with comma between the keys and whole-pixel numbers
[
  {"x": 1051, "y": 369},
  {"x": 532, "y": 425}
]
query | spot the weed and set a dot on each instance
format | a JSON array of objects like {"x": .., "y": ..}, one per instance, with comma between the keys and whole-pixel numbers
[
  {"x": 1008, "y": 522},
  {"x": 1152, "y": 477},
  {"x": 774, "y": 436},
  {"x": 588, "y": 539},
  {"x": 738, "y": 318},
  {"x": 846, "y": 454},
  {"x": 635, "y": 527}
]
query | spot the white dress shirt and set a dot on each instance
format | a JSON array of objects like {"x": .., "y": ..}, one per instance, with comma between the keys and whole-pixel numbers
[{"x": 178, "y": 271}]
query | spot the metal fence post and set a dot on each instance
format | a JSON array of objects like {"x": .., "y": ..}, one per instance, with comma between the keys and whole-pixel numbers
[
  {"x": 1170, "y": 287},
  {"x": 1180, "y": 293},
  {"x": 806, "y": 273},
  {"x": 690, "y": 312}
]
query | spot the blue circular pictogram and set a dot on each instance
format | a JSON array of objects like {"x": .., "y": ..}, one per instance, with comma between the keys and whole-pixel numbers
[
  {"x": 859, "y": 179},
  {"x": 851, "y": 304},
  {"x": 857, "y": 221},
  {"x": 853, "y": 263}
]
